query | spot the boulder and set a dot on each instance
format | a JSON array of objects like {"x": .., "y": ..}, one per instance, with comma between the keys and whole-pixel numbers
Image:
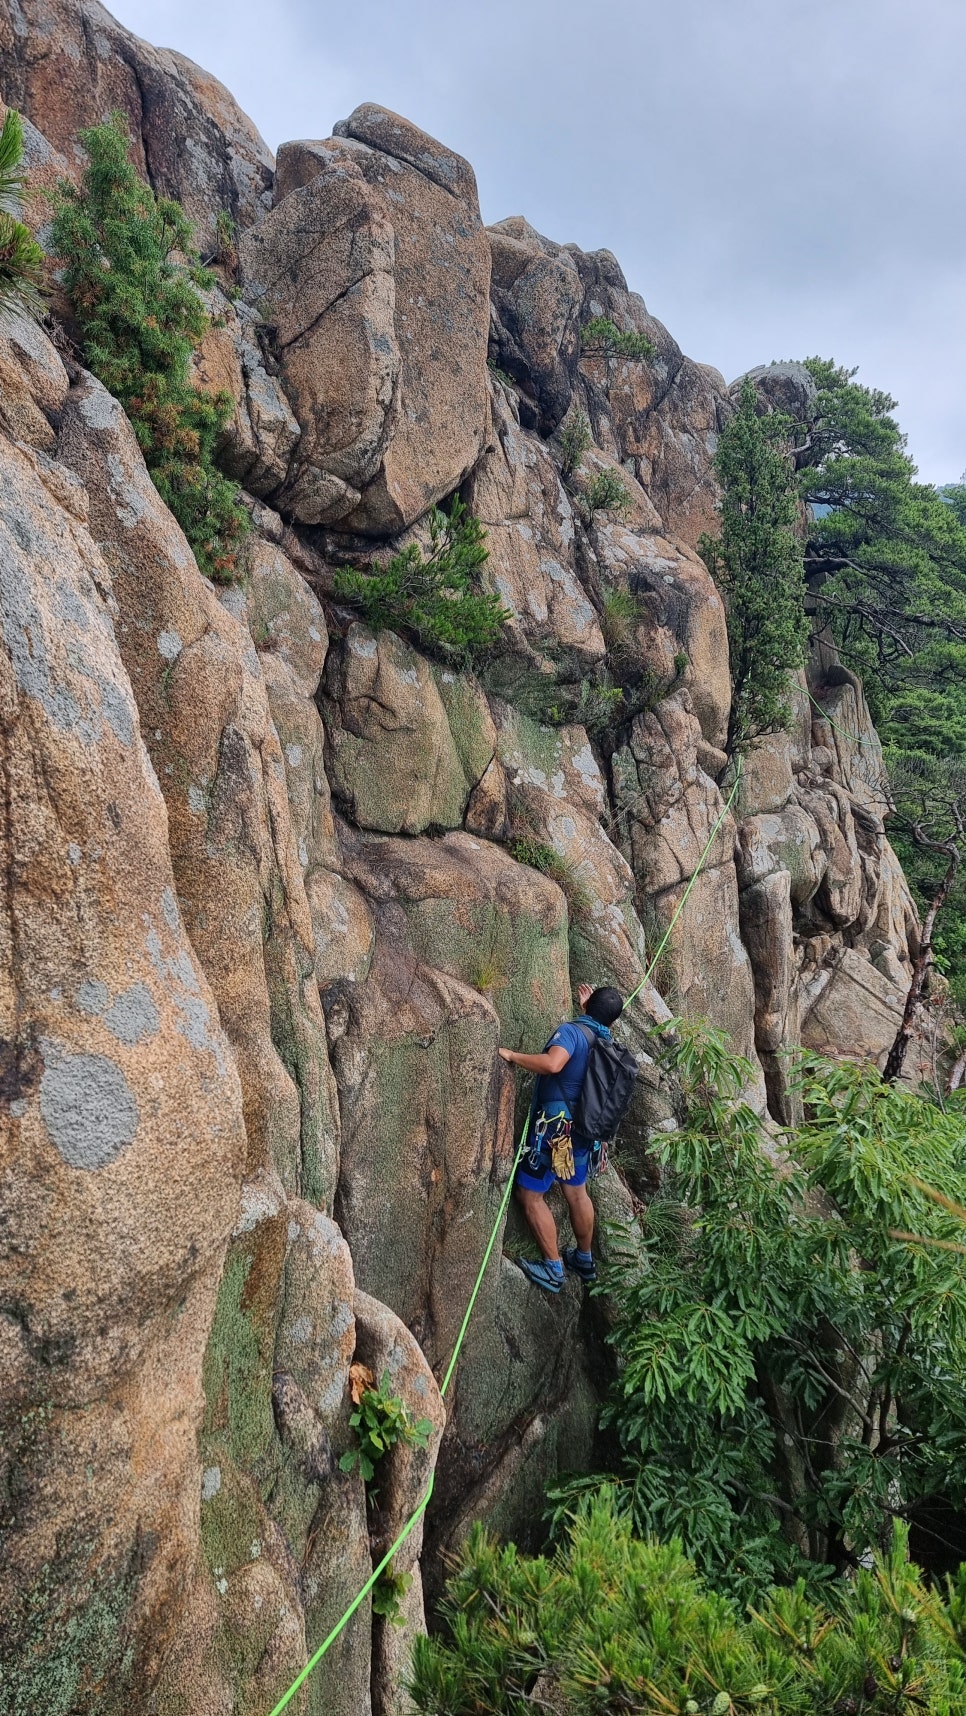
[
  {"x": 320, "y": 269},
  {"x": 682, "y": 614},
  {"x": 473, "y": 913},
  {"x": 386, "y": 1348},
  {"x": 785, "y": 387},
  {"x": 537, "y": 295},
  {"x": 427, "y": 1128},
  {"x": 670, "y": 811},
  {"x": 70, "y": 65},
  {"x": 442, "y": 280},
  {"x": 851, "y": 1008},
  {"x": 386, "y": 373},
  {"x": 257, "y": 443},
  {"x": 392, "y": 761}
]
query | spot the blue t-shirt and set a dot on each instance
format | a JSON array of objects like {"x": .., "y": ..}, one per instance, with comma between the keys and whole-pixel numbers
[{"x": 565, "y": 1086}]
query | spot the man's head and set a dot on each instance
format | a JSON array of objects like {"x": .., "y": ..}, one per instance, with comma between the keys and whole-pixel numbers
[{"x": 605, "y": 1005}]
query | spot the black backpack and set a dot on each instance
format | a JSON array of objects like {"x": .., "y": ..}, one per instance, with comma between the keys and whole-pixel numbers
[{"x": 608, "y": 1086}]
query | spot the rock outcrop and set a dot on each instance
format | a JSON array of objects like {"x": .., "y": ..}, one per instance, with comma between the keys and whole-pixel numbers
[
  {"x": 264, "y": 919},
  {"x": 70, "y": 65}
]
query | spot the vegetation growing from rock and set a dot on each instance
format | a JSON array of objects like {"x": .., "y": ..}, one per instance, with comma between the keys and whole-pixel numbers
[
  {"x": 575, "y": 440},
  {"x": 527, "y": 849},
  {"x": 21, "y": 258},
  {"x": 433, "y": 596},
  {"x": 134, "y": 284},
  {"x": 380, "y": 1421},
  {"x": 757, "y": 560},
  {"x": 600, "y": 337},
  {"x": 606, "y": 492},
  {"x": 792, "y": 1364},
  {"x": 611, "y": 1624}
]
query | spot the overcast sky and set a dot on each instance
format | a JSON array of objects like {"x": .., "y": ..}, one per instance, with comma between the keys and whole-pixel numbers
[{"x": 776, "y": 178}]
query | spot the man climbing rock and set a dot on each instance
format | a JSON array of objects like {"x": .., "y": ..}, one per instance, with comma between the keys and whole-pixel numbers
[{"x": 554, "y": 1150}]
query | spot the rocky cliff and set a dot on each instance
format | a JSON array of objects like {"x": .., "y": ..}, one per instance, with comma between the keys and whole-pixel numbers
[{"x": 261, "y": 929}]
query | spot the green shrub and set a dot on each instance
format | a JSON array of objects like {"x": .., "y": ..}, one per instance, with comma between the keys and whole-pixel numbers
[
  {"x": 613, "y": 1626},
  {"x": 527, "y": 849},
  {"x": 134, "y": 282},
  {"x": 434, "y": 596},
  {"x": 21, "y": 258},
  {"x": 380, "y": 1420},
  {"x": 575, "y": 439},
  {"x": 792, "y": 1368},
  {"x": 600, "y": 337},
  {"x": 606, "y": 492}
]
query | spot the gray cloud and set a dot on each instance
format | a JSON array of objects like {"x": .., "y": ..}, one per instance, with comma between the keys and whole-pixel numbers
[{"x": 775, "y": 179}]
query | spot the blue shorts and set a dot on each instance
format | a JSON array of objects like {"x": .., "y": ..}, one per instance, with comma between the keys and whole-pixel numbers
[{"x": 541, "y": 1179}]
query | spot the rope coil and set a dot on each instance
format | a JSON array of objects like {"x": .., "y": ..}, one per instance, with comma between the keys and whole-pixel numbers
[{"x": 421, "y": 1506}]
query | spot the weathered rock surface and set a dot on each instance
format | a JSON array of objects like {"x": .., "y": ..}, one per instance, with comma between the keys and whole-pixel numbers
[
  {"x": 385, "y": 371},
  {"x": 121, "y": 1136},
  {"x": 67, "y": 64},
  {"x": 263, "y": 923}
]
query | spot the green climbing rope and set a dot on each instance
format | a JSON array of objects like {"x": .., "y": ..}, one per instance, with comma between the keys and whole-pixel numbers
[
  {"x": 421, "y": 1507},
  {"x": 856, "y": 738}
]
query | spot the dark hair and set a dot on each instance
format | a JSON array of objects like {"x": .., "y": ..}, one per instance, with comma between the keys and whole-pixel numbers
[{"x": 605, "y": 1005}]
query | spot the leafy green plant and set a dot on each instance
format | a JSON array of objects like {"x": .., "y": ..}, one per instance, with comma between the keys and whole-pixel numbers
[
  {"x": 433, "y": 596},
  {"x": 612, "y": 1626},
  {"x": 21, "y": 258},
  {"x": 757, "y": 560},
  {"x": 380, "y": 1420},
  {"x": 387, "y": 1594},
  {"x": 600, "y": 337},
  {"x": 792, "y": 1367},
  {"x": 575, "y": 440},
  {"x": 134, "y": 282},
  {"x": 606, "y": 492}
]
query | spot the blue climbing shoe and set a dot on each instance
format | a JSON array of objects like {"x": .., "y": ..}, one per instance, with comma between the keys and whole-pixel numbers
[
  {"x": 540, "y": 1274},
  {"x": 578, "y": 1265}
]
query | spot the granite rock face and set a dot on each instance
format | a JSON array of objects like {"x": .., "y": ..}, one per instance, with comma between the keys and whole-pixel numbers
[
  {"x": 388, "y": 382},
  {"x": 67, "y": 64},
  {"x": 277, "y": 885}
]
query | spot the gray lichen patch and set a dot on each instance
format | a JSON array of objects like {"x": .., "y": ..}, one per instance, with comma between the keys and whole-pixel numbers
[
  {"x": 87, "y": 1107},
  {"x": 133, "y": 1016}
]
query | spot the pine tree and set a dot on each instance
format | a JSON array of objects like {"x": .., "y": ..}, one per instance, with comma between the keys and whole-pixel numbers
[
  {"x": 134, "y": 282},
  {"x": 757, "y": 560},
  {"x": 21, "y": 258}
]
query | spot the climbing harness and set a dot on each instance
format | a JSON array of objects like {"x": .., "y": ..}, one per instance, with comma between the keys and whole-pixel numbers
[{"x": 421, "y": 1506}]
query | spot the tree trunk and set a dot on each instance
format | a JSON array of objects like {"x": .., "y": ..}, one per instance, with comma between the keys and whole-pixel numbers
[{"x": 923, "y": 960}]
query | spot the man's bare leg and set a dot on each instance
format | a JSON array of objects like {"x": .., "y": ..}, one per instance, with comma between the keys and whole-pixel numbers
[
  {"x": 581, "y": 1212},
  {"x": 541, "y": 1223}
]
